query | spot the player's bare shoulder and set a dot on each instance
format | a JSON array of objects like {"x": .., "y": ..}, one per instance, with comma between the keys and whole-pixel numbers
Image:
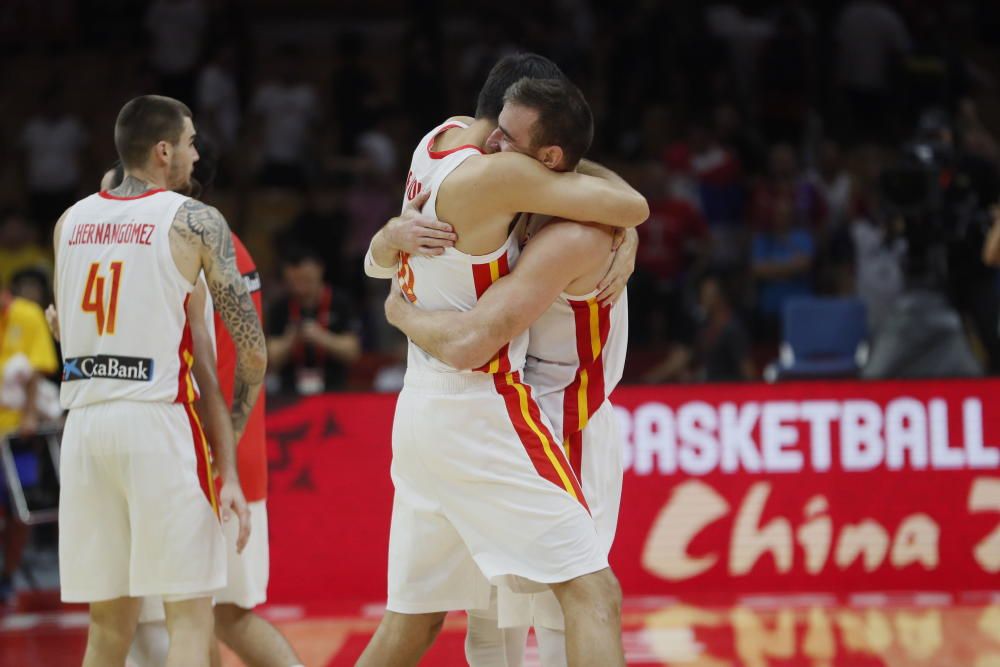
[
  {"x": 196, "y": 231},
  {"x": 581, "y": 236}
]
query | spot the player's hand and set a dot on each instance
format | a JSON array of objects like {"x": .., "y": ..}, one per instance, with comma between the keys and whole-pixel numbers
[
  {"x": 613, "y": 283},
  {"x": 618, "y": 239},
  {"x": 418, "y": 234},
  {"x": 312, "y": 331},
  {"x": 52, "y": 317},
  {"x": 231, "y": 501}
]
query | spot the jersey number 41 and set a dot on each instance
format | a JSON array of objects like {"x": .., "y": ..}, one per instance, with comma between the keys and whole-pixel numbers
[{"x": 93, "y": 297}]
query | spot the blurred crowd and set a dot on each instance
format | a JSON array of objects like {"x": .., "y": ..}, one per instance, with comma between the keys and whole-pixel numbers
[{"x": 761, "y": 133}]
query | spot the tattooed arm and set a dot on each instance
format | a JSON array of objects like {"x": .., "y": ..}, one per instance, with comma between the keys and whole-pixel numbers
[{"x": 205, "y": 232}]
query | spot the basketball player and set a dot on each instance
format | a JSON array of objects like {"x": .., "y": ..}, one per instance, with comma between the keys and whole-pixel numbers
[
  {"x": 482, "y": 488},
  {"x": 576, "y": 355},
  {"x": 138, "y": 511},
  {"x": 251, "y": 637}
]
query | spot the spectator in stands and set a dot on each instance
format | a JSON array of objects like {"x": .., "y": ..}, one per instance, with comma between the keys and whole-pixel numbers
[
  {"x": 719, "y": 175},
  {"x": 218, "y": 99},
  {"x": 832, "y": 183},
  {"x": 177, "y": 31},
  {"x": 781, "y": 261},
  {"x": 784, "y": 181},
  {"x": 323, "y": 224},
  {"x": 785, "y": 77},
  {"x": 53, "y": 140},
  {"x": 287, "y": 109},
  {"x": 721, "y": 351},
  {"x": 19, "y": 247},
  {"x": 352, "y": 80},
  {"x": 870, "y": 38},
  {"x": 31, "y": 284},
  {"x": 314, "y": 334},
  {"x": 27, "y": 355},
  {"x": 672, "y": 242}
]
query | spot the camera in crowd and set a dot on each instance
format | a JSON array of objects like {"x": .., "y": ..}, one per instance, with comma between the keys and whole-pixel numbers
[{"x": 938, "y": 197}]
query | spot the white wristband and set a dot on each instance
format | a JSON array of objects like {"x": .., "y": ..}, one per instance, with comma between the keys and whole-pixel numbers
[{"x": 375, "y": 270}]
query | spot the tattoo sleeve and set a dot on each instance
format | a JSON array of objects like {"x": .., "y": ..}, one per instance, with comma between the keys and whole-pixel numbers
[{"x": 204, "y": 229}]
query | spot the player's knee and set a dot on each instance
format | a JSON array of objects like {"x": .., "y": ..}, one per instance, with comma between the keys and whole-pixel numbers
[
  {"x": 113, "y": 621},
  {"x": 432, "y": 627},
  {"x": 598, "y": 591},
  {"x": 417, "y": 628},
  {"x": 228, "y": 619}
]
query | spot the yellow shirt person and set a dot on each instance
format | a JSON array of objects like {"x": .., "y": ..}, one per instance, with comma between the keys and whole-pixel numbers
[{"x": 23, "y": 331}]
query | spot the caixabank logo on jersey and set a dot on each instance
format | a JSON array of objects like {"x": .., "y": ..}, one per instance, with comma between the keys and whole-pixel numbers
[{"x": 111, "y": 367}]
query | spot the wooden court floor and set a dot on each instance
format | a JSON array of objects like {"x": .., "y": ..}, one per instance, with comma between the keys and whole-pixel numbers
[{"x": 870, "y": 630}]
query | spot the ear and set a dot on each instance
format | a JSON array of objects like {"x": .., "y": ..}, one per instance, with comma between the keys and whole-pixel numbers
[
  {"x": 551, "y": 157},
  {"x": 161, "y": 151}
]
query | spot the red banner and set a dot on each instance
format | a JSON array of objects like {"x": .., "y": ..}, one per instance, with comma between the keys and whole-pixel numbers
[{"x": 836, "y": 487}]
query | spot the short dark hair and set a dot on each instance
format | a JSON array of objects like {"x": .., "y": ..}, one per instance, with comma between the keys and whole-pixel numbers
[
  {"x": 506, "y": 72},
  {"x": 145, "y": 121},
  {"x": 202, "y": 176},
  {"x": 564, "y": 117}
]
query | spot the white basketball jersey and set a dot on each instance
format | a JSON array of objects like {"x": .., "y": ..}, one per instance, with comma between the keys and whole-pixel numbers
[
  {"x": 453, "y": 280},
  {"x": 123, "y": 302},
  {"x": 576, "y": 355}
]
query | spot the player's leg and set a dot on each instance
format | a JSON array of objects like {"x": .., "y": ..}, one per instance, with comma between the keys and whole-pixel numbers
[
  {"x": 150, "y": 644},
  {"x": 431, "y": 570},
  {"x": 94, "y": 533},
  {"x": 487, "y": 644},
  {"x": 177, "y": 549},
  {"x": 112, "y": 623},
  {"x": 551, "y": 646},
  {"x": 252, "y": 638},
  {"x": 401, "y": 639},
  {"x": 591, "y": 605},
  {"x": 191, "y": 626}
]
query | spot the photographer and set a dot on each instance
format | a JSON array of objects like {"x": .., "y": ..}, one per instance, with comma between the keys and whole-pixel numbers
[
  {"x": 314, "y": 335},
  {"x": 936, "y": 200}
]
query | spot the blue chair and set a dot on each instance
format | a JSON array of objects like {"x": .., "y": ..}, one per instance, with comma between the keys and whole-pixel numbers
[{"x": 822, "y": 337}]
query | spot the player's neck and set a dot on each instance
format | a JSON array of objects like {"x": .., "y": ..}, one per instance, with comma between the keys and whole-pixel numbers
[
  {"x": 478, "y": 131},
  {"x": 135, "y": 183}
]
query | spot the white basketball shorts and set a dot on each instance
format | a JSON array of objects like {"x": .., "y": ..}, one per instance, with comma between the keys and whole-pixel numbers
[
  {"x": 246, "y": 573},
  {"x": 484, "y": 495},
  {"x": 137, "y": 509},
  {"x": 601, "y": 473}
]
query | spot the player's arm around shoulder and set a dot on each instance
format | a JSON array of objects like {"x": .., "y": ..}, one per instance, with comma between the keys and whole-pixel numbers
[
  {"x": 555, "y": 257},
  {"x": 514, "y": 182}
]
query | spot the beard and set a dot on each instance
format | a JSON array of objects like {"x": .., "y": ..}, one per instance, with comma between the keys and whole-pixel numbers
[{"x": 180, "y": 177}]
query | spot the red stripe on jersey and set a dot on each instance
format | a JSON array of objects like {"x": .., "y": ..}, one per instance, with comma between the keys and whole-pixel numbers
[
  {"x": 437, "y": 155},
  {"x": 483, "y": 277},
  {"x": 585, "y": 394},
  {"x": 574, "y": 452},
  {"x": 185, "y": 351},
  {"x": 597, "y": 395},
  {"x": 544, "y": 451},
  {"x": 148, "y": 193},
  {"x": 203, "y": 457}
]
